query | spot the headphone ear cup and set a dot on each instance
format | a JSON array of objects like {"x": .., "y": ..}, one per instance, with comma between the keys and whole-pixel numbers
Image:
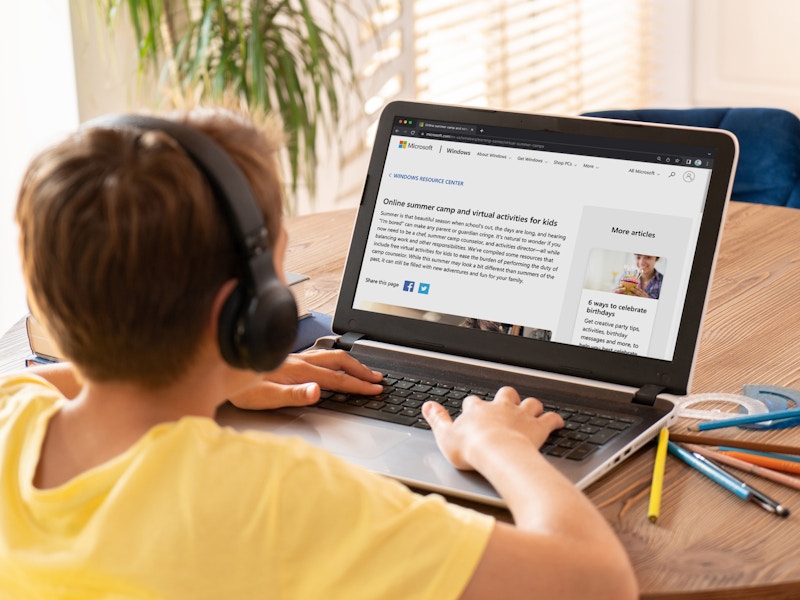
[
  {"x": 227, "y": 328},
  {"x": 268, "y": 329}
]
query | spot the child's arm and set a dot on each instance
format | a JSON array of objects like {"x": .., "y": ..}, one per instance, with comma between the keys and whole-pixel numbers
[
  {"x": 298, "y": 380},
  {"x": 561, "y": 546}
]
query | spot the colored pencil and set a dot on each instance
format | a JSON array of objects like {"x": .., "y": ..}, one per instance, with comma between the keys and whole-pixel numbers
[
  {"x": 791, "y": 457},
  {"x": 719, "y": 441},
  {"x": 727, "y": 480},
  {"x": 778, "y": 464},
  {"x": 777, "y": 477},
  {"x": 706, "y": 469},
  {"x": 778, "y": 415},
  {"x": 656, "y": 487}
]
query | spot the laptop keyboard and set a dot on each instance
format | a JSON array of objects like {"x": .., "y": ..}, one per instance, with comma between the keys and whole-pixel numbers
[{"x": 584, "y": 431}]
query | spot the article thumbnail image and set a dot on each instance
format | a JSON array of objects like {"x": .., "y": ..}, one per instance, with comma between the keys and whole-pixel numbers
[
  {"x": 459, "y": 321},
  {"x": 626, "y": 273}
]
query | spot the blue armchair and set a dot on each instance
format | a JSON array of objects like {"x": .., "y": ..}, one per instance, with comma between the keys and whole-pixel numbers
[{"x": 769, "y": 146}]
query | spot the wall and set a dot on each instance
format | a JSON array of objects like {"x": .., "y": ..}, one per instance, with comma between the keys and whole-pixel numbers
[
  {"x": 746, "y": 53},
  {"x": 672, "y": 59},
  {"x": 106, "y": 73},
  {"x": 37, "y": 107},
  {"x": 727, "y": 53}
]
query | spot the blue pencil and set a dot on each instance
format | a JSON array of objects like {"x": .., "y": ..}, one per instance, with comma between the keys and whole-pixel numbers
[
  {"x": 791, "y": 413},
  {"x": 715, "y": 475}
]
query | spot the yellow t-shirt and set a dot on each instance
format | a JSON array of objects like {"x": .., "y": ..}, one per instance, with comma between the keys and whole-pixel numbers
[{"x": 194, "y": 510}]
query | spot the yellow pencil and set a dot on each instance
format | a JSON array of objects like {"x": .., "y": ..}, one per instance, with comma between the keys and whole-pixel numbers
[{"x": 658, "y": 476}]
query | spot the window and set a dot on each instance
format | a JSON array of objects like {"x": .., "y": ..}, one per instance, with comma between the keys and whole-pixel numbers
[
  {"x": 560, "y": 56},
  {"x": 551, "y": 56}
]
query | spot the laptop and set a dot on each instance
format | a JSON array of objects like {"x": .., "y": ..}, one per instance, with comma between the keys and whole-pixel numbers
[{"x": 567, "y": 257}]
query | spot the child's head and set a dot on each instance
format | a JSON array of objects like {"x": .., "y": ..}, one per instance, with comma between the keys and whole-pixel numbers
[{"x": 124, "y": 247}]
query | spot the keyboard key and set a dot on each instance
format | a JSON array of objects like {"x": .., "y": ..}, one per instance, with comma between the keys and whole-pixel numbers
[
  {"x": 568, "y": 443},
  {"x": 581, "y": 452},
  {"x": 602, "y": 436},
  {"x": 557, "y": 451},
  {"x": 404, "y": 385}
]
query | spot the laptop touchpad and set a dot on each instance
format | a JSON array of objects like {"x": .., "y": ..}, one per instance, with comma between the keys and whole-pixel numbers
[{"x": 341, "y": 437}]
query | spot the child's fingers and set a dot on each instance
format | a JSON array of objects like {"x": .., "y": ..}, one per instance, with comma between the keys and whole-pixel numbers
[{"x": 437, "y": 417}]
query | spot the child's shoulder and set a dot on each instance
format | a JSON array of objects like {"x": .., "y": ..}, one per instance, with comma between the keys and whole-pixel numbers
[{"x": 18, "y": 390}]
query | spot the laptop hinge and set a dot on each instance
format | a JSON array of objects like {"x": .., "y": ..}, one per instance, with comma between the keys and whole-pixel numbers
[
  {"x": 346, "y": 341},
  {"x": 647, "y": 394}
]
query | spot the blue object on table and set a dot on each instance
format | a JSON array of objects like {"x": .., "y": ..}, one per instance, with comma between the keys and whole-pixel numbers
[
  {"x": 311, "y": 328},
  {"x": 715, "y": 475},
  {"x": 769, "y": 146},
  {"x": 774, "y": 398},
  {"x": 791, "y": 415}
]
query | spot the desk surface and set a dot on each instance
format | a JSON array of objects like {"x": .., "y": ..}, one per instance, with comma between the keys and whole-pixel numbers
[{"x": 707, "y": 543}]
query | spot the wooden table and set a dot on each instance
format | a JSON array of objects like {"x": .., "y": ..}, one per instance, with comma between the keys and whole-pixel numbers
[{"x": 706, "y": 543}]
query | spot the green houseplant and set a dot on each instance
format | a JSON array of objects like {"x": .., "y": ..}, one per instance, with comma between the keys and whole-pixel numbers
[{"x": 287, "y": 57}]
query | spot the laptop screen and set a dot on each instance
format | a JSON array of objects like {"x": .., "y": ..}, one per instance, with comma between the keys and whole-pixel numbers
[{"x": 561, "y": 235}]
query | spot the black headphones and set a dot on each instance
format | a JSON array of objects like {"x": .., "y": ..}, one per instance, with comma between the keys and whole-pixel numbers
[{"x": 258, "y": 323}]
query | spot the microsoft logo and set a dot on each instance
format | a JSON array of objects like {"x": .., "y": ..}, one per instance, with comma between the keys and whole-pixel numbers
[{"x": 405, "y": 144}]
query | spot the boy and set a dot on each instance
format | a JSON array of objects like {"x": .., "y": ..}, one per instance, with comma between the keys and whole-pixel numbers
[{"x": 117, "y": 482}]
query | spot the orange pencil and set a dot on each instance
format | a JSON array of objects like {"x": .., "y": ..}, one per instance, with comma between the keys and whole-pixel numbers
[
  {"x": 782, "y": 478},
  {"x": 778, "y": 464}
]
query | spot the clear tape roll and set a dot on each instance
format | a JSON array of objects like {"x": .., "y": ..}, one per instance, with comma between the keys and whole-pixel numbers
[{"x": 753, "y": 406}]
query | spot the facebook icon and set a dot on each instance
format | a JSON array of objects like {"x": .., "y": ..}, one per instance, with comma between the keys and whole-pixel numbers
[{"x": 408, "y": 286}]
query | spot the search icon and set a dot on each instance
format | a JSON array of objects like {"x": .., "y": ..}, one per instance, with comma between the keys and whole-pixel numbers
[{"x": 671, "y": 174}]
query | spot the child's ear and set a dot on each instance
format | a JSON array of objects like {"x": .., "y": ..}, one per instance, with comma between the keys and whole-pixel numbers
[{"x": 223, "y": 294}]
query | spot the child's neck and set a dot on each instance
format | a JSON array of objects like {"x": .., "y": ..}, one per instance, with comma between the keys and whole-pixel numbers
[{"x": 107, "y": 418}]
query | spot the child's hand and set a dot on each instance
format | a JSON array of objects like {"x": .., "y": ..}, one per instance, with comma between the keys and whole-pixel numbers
[
  {"x": 298, "y": 380},
  {"x": 485, "y": 426}
]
